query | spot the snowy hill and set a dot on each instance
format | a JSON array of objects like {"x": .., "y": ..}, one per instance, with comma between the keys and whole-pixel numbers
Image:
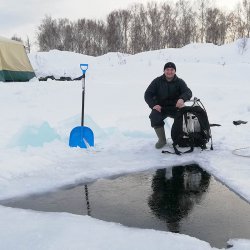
[
  {"x": 59, "y": 63},
  {"x": 37, "y": 118}
]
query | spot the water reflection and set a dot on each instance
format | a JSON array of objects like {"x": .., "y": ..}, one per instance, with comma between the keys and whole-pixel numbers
[
  {"x": 86, "y": 190},
  {"x": 176, "y": 191},
  {"x": 181, "y": 199}
]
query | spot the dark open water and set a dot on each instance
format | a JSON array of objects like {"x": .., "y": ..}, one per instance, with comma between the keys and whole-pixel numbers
[{"x": 183, "y": 199}]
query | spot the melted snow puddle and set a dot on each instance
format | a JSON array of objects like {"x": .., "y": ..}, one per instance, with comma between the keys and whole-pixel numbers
[{"x": 182, "y": 199}]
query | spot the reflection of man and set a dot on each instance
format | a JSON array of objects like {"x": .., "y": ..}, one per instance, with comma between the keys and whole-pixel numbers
[{"x": 174, "y": 197}]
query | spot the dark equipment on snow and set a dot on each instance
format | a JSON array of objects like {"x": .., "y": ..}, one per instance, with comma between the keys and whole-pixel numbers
[
  {"x": 191, "y": 128},
  {"x": 214, "y": 125},
  {"x": 82, "y": 136},
  {"x": 239, "y": 122}
]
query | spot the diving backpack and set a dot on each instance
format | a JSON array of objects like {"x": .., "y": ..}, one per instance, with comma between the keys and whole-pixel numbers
[{"x": 191, "y": 128}]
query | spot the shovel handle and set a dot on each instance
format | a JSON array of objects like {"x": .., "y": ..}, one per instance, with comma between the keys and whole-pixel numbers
[{"x": 84, "y": 67}]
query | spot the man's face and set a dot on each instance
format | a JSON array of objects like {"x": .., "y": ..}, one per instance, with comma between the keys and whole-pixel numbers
[{"x": 169, "y": 73}]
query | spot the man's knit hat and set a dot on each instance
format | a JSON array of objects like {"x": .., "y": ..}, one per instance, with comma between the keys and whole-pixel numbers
[{"x": 170, "y": 65}]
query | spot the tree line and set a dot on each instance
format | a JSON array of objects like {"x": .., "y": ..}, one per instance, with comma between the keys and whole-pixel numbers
[{"x": 144, "y": 27}]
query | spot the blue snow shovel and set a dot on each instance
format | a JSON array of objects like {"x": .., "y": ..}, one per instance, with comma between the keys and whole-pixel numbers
[{"x": 82, "y": 136}]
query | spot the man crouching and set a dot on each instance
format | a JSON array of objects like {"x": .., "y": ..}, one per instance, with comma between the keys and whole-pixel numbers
[{"x": 165, "y": 95}]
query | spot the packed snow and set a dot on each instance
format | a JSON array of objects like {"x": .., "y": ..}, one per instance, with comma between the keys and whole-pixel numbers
[{"x": 37, "y": 118}]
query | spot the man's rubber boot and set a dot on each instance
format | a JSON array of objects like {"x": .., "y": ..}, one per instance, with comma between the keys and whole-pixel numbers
[{"x": 160, "y": 132}]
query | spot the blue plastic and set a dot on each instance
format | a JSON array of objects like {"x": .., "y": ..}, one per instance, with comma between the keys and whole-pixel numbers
[
  {"x": 84, "y": 67},
  {"x": 82, "y": 137}
]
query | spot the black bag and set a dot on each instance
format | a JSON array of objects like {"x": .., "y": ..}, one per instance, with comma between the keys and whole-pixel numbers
[{"x": 191, "y": 128}]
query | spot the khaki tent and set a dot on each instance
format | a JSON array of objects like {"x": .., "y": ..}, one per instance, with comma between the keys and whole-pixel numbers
[{"x": 14, "y": 62}]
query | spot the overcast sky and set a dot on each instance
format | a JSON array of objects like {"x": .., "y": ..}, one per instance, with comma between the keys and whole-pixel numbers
[{"x": 22, "y": 17}]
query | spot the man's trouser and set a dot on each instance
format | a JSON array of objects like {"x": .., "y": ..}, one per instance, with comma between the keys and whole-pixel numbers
[{"x": 157, "y": 118}]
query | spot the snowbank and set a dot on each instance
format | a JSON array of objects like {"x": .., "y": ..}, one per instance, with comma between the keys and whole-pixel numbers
[{"x": 116, "y": 111}]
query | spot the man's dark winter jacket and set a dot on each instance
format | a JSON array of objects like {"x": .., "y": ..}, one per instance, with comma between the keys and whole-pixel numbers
[{"x": 165, "y": 93}]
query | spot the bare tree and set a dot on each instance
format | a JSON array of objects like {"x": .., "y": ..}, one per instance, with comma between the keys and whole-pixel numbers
[
  {"x": 216, "y": 26},
  {"x": 240, "y": 25},
  {"x": 123, "y": 19},
  {"x": 100, "y": 39},
  {"x": 138, "y": 29},
  {"x": 202, "y": 7},
  {"x": 28, "y": 45},
  {"x": 89, "y": 37},
  {"x": 170, "y": 29},
  {"x": 48, "y": 34},
  {"x": 117, "y": 31},
  {"x": 78, "y": 36},
  {"x": 65, "y": 34},
  {"x": 246, "y": 13},
  {"x": 145, "y": 27},
  {"x": 16, "y": 38},
  {"x": 186, "y": 22},
  {"x": 154, "y": 26},
  {"x": 114, "y": 32}
]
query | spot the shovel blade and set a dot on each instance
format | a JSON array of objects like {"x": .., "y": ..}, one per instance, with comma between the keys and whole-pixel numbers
[{"x": 82, "y": 137}]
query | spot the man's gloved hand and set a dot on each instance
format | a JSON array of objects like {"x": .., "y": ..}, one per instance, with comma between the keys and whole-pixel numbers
[
  {"x": 180, "y": 103},
  {"x": 157, "y": 107}
]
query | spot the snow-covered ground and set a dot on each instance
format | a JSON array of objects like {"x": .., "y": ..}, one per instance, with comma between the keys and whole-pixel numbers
[{"x": 37, "y": 117}]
